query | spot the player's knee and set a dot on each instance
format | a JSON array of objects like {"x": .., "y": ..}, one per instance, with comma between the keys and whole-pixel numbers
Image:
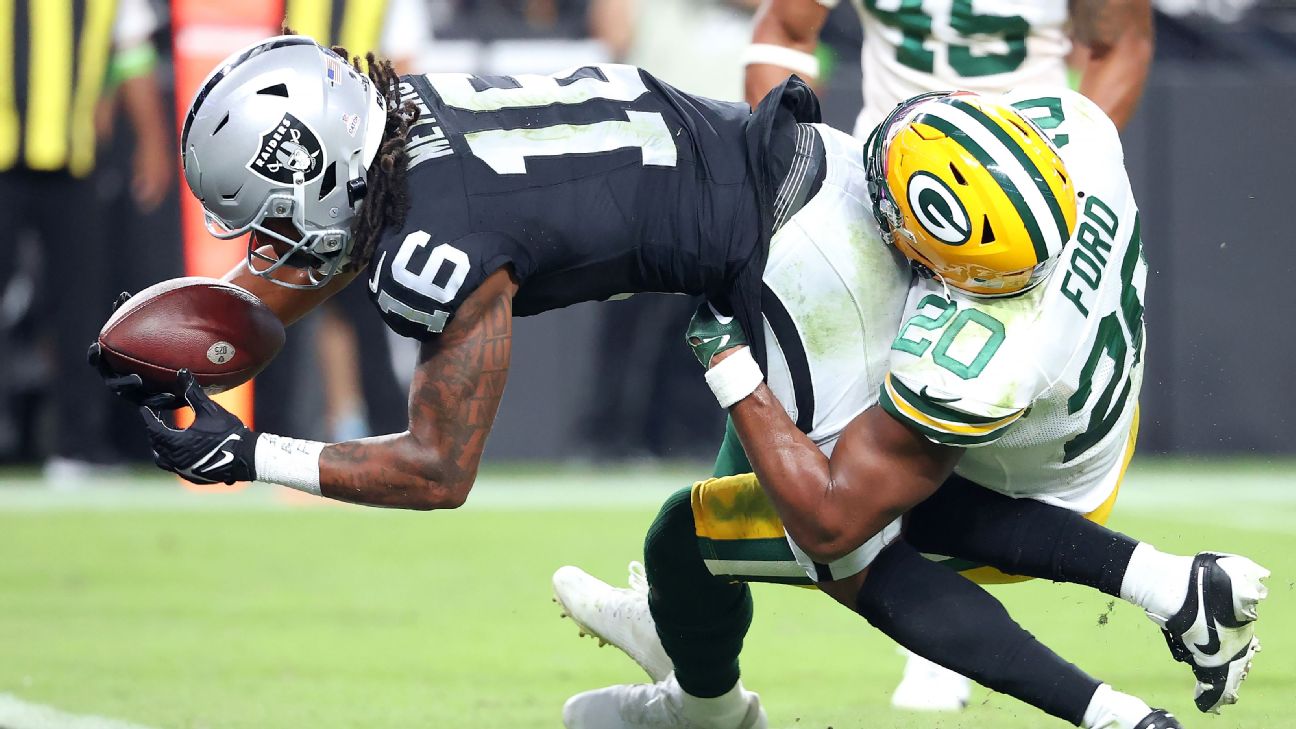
[{"x": 671, "y": 541}]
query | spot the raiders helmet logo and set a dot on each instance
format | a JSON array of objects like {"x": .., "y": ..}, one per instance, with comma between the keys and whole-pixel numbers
[{"x": 287, "y": 148}]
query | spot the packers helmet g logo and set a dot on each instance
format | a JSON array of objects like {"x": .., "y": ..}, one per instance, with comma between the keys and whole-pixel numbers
[{"x": 937, "y": 209}]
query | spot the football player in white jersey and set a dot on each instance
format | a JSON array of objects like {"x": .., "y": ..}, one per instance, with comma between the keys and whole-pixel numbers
[
  {"x": 1010, "y": 394},
  {"x": 990, "y": 46}
]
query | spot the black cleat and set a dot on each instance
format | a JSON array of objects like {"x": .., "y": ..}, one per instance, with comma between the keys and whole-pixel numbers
[{"x": 1214, "y": 631}]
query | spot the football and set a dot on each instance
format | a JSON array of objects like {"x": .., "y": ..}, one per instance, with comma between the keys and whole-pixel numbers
[{"x": 222, "y": 333}]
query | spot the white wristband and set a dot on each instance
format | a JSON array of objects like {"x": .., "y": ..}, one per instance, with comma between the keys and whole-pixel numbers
[
  {"x": 736, "y": 377},
  {"x": 288, "y": 461},
  {"x": 800, "y": 62}
]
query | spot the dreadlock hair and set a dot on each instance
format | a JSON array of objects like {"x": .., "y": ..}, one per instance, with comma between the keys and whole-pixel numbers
[{"x": 386, "y": 200}]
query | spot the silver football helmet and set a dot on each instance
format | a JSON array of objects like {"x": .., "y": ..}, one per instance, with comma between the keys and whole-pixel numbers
[{"x": 284, "y": 129}]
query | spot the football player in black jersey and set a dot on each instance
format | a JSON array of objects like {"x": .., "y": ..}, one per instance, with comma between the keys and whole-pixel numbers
[{"x": 472, "y": 200}]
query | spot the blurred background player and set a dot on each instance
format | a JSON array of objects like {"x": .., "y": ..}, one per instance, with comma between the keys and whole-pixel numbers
[
  {"x": 914, "y": 46},
  {"x": 692, "y": 44},
  {"x": 56, "y": 59}
]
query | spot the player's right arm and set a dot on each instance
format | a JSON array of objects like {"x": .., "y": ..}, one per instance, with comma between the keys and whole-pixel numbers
[
  {"x": 456, "y": 392},
  {"x": 784, "y": 38},
  {"x": 454, "y": 396},
  {"x": 880, "y": 468},
  {"x": 890, "y": 457}
]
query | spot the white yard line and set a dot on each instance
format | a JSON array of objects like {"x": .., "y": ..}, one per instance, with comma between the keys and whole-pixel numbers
[{"x": 18, "y": 714}]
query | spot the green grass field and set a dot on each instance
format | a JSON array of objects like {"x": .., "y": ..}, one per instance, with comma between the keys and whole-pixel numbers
[{"x": 139, "y": 601}]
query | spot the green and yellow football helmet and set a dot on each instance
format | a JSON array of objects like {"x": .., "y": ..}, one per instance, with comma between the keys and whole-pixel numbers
[{"x": 970, "y": 191}]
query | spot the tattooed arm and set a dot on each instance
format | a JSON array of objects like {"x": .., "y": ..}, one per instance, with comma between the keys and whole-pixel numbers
[
  {"x": 453, "y": 400},
  {"x": 1117, "y": 35}
]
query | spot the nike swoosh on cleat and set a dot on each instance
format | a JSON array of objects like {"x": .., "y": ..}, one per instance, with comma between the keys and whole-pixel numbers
[
  {"x": 924, "y": 395},
  {"x": 373, "y": 281},
  {"x": 724, "y": 339},
  {"x": 1212, "y": 644}
]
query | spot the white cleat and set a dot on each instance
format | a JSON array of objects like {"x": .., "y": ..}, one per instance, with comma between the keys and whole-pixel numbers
[
  {"x": 927, "y": 686},
  {"x": 1214, "y": 631},
  {"x": 661, "y": 705},
  {"x": 615, "y": 615}
]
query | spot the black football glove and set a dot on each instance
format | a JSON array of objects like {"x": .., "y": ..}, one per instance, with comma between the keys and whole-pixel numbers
[
  {"x": 130, "y": 387},
  {"x": 217, "y": 448}
]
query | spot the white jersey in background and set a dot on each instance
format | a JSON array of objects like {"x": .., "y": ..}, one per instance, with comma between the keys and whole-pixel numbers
[
  {"x": 1042, "y": 387},
  {"x": 986, "y": 46}
]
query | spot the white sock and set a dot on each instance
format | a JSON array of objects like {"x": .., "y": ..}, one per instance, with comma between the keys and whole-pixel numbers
[
  {"x": 725, "y": 710},
  {"x": 1111, "y": 709},
  {"x": 1156, "y": 581}
]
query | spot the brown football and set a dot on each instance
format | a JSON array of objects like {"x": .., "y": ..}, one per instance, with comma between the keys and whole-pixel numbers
[{"x": 222, "y": 333}]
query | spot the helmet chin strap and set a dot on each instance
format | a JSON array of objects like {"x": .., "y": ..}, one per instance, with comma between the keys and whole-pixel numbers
[
  {"x": 948, "y": 295},
  {"x": 374, "y": 125}
]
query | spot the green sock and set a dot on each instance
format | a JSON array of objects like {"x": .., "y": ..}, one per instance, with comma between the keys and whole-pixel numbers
[
  {"x": 732, "y": 459},
  {"x": 701, "y": 619}
]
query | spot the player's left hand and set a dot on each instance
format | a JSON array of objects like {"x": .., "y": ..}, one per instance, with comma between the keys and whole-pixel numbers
[
  {"x": 711, "y": 332},
  {"x": 128, "y": 386},
  {"x": 217, "y": 448}
]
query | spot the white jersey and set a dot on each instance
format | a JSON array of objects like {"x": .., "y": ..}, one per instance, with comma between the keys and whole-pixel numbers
[
  {"x": 986, "y": 46},
  {"x": 1042, "y": 387},
  {"x": 834, "y": 294}
]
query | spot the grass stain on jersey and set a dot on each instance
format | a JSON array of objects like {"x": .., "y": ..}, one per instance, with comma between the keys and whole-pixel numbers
[
  {"x": 872, "y": 304},
  {"x": 823, "y": 316}
]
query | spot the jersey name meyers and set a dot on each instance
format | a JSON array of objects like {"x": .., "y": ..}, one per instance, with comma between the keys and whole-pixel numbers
[
  {"x": 1041, "y": 388},
  {"x": 592, "y": 182}
]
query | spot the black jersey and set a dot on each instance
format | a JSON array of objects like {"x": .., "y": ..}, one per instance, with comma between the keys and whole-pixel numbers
[{"x": 589, "y": 184}]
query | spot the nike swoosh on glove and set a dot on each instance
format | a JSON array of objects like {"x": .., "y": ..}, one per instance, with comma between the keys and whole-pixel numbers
[
  {"x": 711, "y": 332},
  {"x": 217, "y": 448}
]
